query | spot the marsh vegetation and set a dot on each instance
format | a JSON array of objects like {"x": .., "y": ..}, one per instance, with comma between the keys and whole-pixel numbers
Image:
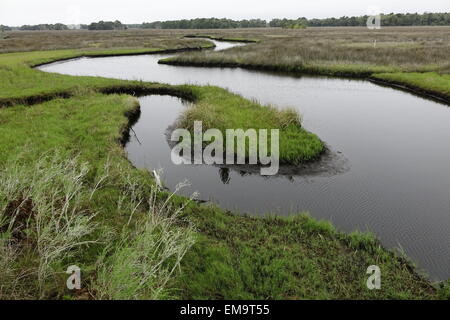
[
  {"x": 416, "y": 57},
  {"x": 356, "y": 50},
  {"x": 118, "y": 225}
]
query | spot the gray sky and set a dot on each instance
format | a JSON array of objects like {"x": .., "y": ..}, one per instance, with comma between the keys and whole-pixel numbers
[{"x": 19, "y": 12}]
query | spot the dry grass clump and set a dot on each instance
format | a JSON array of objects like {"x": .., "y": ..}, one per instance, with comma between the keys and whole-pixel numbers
[
  {"x": 143, "y": 262},
  {"x": 208, "y": 113},
  {"x": 42, "y": 218},
  {"x": 288, "y": 117}
]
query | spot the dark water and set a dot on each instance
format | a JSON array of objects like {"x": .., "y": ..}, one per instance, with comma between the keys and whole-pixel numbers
[{"x": 396, "y": 181}]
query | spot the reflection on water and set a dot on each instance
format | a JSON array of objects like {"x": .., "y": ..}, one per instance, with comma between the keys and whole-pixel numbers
[
  {"x": 393, "y": 176},
  {"x": 224, "y": 174}
]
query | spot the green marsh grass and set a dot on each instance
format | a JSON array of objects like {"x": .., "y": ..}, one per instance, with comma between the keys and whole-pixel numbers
[
  {"x": 432, "y": 82},
  {"x": 219, "y": 109}
]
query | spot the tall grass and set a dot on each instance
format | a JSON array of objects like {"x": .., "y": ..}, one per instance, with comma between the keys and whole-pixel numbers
[
  {"x": 143, "y": 262},
  {"x": 8, "y": 281},
  {"x": 45, "y": 218},
  {"x": 41, "y": 210}
]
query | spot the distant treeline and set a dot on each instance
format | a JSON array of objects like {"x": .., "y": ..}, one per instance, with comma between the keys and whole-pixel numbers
[
  {"x": 101, "y": 25},
  {"x": 391, "y": 19},
  {"x": 4, "y": 28},
  {"x": 56, "y": 26},
  {"x": 206, "y": 23}
]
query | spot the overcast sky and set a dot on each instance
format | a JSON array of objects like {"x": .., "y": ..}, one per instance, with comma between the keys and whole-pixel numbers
[{"x": 19, "y": 12}]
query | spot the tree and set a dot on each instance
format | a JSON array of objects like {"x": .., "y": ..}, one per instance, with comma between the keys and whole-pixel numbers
[
  {"x": 107, "y": 25},
  {"x": 4, "y": 28}
]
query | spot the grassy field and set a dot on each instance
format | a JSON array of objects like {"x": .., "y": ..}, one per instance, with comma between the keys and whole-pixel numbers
[
  {"x": 19, "y": 41},
  {"x": 331, "y": 50},
  {"x": 20, "y": 81},
  {"x": 68, "y": 195}
]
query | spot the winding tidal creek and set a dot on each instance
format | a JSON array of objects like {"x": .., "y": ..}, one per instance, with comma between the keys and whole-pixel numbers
[{"x": 388, "y": 169}]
